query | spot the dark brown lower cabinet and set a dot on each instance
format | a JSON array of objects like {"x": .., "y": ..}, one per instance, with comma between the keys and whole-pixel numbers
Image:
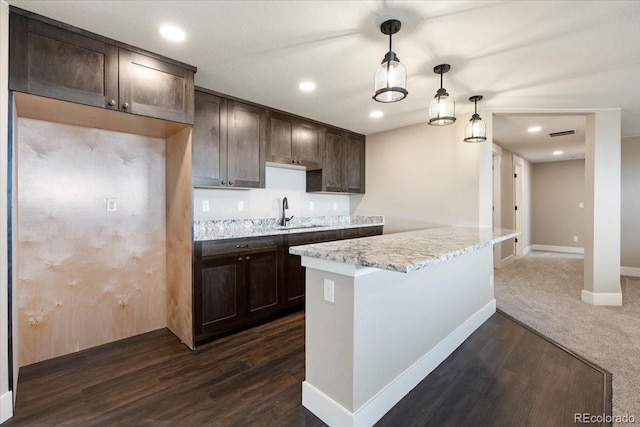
[
  {"x": 241, "y": 282},
  {"x": 232, "y": 291}
]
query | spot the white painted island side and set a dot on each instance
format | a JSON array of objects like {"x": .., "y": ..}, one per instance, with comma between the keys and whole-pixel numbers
[{"x": 402, "y": 303}]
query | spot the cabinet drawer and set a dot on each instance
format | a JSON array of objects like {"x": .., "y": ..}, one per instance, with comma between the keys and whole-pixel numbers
[
  {"x": 314, "y": 237},
  {"x": 218, "y": 247},
  {"x": 370, "y": 231}
]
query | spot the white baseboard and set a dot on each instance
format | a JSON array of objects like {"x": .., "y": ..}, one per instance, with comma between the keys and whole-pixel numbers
[
  {"x": 6, "y": 406},
  {"x": 630, "y": 271},
  {"x": 526, "y": 250},
  {"x": 335, "y": 415},
  {"x": 564, "y": 249},
  {"x": 601, "y": 298}
]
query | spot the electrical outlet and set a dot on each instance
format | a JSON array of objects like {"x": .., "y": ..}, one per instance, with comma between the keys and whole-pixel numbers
[
  {"x": 581, "y": 205},
  {"x": 575, "y": 238},
  {"x": 112, "y": 204},
  {"x": 335, "y": 206},
  {"x": 311, "y": 205},
  {"x": 205, "y": 206},
  {"x": 328, "y": 290},
  {"x": 240, "y": 205}
]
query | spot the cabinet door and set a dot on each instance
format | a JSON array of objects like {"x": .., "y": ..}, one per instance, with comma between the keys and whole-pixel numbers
[
  {"x": 281, "y": 129},
  {"x": 262, "y": 281},
  {"x": 155, "y": 88},
  {"x": 246, "y": 130},
  {"x": 294, "y": 288},
  {"x": 56, "y": 63},
  {"x": 333, "y": 166},
  {"x": 354, "y": 166},
  {"x": 307, "y": 145},
  {"x": 209, "y": 141},
  {"x": 219, "y": 296},
  {"x": 294, "y": 291}
]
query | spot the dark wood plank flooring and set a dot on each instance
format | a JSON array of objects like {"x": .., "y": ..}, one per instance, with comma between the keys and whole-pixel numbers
[{"x": 502, "y": 375}]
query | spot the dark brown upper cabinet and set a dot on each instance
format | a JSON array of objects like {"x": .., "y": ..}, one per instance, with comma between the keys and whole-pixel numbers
[
  {"x": 343, "y": 162},
  {"x": 229, "y": 142},
  {"x": 155, "y": 88},
  {"x": 55, "y": 60},
  {"x": 293, "y": 141}
]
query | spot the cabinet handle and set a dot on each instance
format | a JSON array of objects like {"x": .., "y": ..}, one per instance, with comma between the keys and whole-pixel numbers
[
  {"x": 247, "y": 258},
  {"x": 230, "y": 182},
  {"x": 242, "y": 246},
  {"x": 223, "y": 182},
  {"x": 125, "y": 105},
  {"x": 112, "y": 102}
]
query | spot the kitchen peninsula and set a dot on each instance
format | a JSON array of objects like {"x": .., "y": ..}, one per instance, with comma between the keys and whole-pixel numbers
[{"x": 382, "y": 312}]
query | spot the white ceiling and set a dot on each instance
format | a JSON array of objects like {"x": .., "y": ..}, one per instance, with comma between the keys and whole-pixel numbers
[
  {"x": 518, "y": 54},
  {"x": 511, "y": 132}
]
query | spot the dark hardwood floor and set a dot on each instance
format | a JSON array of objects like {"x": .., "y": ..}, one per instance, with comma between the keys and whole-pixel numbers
[{"x": 502, "y": 375}]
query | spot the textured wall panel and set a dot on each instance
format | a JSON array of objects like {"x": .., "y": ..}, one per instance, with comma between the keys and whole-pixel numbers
[{"x": 88, "y": 276}]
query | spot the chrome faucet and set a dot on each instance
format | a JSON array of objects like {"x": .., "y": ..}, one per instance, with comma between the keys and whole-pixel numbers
[{"x": 284, "y": 219}]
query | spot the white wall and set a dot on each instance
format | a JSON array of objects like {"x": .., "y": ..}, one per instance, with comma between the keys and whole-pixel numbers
[
  {"x": 422, "y": 176},
  {"x": 267, "y": 202},
  {"x": 6, "y": 400}
]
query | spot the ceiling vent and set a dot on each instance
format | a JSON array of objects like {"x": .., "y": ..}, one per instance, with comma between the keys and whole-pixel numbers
[{"x": 563, "y": 133}]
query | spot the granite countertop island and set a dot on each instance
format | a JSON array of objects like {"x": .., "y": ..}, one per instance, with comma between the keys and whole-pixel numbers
[
  {"x": 238, "y": 228},
  {"x": 408, "y": 251},
  {"x": 373, "y": 332}
]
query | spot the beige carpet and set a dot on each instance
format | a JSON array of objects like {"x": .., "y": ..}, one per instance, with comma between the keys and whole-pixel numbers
[{"x": 544, "y": 293}]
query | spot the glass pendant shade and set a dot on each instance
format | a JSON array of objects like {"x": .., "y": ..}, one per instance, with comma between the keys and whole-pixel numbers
[
  {"x": 476, "y": 130},
  {"x": 442, "y": 110},
  {"x": 390, "y": 80}
]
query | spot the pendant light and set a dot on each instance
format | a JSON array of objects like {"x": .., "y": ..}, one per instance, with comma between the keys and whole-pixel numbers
[
  {"x": 442, "y": 110},
  {"x": 391, "y": 76},
  {"x": 476, "y": 130}
]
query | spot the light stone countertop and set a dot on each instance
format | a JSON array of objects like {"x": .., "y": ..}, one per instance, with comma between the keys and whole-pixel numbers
[
  {"x": 238, "y": 228},
  {"x": 408, "y": 251}
]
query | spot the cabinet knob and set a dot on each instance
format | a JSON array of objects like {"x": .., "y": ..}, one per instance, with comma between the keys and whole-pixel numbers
[
  {"x": 247, "y": 258},
  {"x": 239, "y": 258},
  {"x": 125, "y": 105},
  {"x": 112, "y": 102},
  {"x": 230, "y": 182},
  {"x": 293, "y": 161},
  {"x": 223, "y": 182}
]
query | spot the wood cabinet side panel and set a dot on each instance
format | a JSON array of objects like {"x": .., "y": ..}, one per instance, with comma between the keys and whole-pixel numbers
[{"x": 179, "y": 236}]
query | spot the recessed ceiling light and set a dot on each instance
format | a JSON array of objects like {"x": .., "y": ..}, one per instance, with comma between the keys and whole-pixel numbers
[
  {"x": 376, "y": 114},
  {"x": 534, "y": 129},
  {"x": 173, "y": 33},
  {"x": 307, "y": 86},
  {"x": 557, "y": 152}
]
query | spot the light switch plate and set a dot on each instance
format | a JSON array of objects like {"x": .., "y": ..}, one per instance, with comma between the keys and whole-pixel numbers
[
  {"x": 311, "y": 205},
  {"x": 335, "y": 206},
  {"x": 205, "y": 206},
  {"x": 581, "y": 205},
  {"x": 240, "y": 205}
]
